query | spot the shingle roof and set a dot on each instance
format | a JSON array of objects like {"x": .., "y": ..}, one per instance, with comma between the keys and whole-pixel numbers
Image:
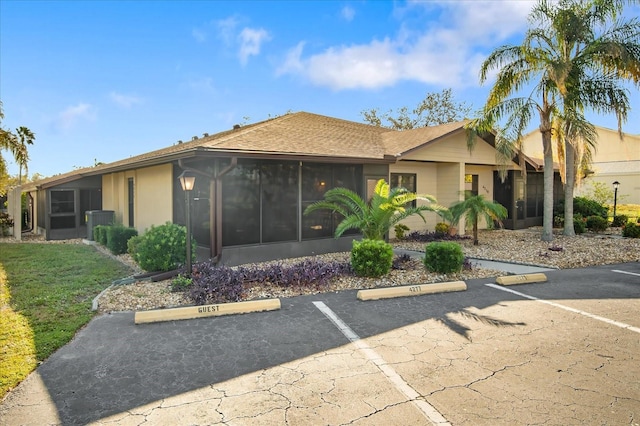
[
  {"x": 397, "y": 143},
  {"x": 298, "y": 134}
]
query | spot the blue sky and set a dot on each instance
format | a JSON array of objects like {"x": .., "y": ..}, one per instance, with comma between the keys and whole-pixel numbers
[{"x": 106, "y": 80}]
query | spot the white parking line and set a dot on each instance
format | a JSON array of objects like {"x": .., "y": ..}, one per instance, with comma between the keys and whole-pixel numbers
[
  {"x": 427, "y": 409},
  {"x": 625, "y": 272},
  {"x": 567, "y": 308}
]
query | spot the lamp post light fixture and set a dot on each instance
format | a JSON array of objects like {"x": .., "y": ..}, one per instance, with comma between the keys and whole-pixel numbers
[
  {"x": 188, "y": 181},
  {"x": 616, "y": 185}
]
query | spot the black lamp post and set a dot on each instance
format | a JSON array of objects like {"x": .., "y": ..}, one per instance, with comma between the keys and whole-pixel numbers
[
  {"x": 188, "y": 181},
  {"x": 616, "y": 185}
]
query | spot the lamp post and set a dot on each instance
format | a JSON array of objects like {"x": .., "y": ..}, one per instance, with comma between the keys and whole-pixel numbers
[
  {"x": 616, "y": 185},
  {"x": 188, "y": 181}
]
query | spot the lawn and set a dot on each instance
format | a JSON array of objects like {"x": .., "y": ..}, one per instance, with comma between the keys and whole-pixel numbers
[{"x": 46, "y": 292}]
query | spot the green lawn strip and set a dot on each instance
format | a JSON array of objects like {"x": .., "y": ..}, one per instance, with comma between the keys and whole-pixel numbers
[{"x": 51, "y": 289}]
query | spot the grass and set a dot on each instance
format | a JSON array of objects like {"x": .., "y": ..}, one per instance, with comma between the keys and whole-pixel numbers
[
  {"x": 46, "y": 292},
  {"x": 631, "y": 210}
]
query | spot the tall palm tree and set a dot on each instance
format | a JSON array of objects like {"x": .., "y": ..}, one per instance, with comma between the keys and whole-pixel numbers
[
  {"x": 387, "y": 207},
  {"x": 572, "y": 66},
  {"x": 20, "y": 153},
  {"x": 475, "y": 207},
  {"x": 588, "y": 54},
  {"x": 518, "y": 68}
]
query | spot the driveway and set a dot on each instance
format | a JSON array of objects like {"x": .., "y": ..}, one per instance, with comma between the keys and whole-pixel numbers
[{"x": 563, "y": 352}]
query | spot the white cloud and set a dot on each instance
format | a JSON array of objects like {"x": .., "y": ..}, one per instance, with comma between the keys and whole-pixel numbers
[
  {"x": 227, "y": 28},
  {"x": 199, "y": 35},
  {"x": 73, "y": 114},
  {"x": 250, "y": 43},
  {"x": 347, "y": 13},
  {"x": 444, "y": 47},
  {"x": 124, "y": 101}
]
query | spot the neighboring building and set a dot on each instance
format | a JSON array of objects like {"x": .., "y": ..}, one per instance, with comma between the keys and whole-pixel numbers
[
  {"x": 615, "y": 159},
  {"x": 254, "y": 182}
]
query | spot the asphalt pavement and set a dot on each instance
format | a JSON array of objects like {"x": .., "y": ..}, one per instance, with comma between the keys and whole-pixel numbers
[{"x": 560, "y": 352}]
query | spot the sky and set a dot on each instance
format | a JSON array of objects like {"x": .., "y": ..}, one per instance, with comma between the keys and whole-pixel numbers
[{"x": 101, "y": 81}]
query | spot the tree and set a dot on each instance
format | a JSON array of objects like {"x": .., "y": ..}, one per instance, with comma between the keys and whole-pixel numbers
[
  {"x": 16, "y": 145},
  {"x": 435, "y": 109},
  {"x": 24, "y": 137},
  {"x": 589, "y": 54},
  {"x": 387, "y": 207},
  {"x": 474, "y": 207},
  {"x": 570, "y": 69}
]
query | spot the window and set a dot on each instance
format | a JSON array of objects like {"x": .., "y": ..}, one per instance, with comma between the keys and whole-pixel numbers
[
  {"x": 62, "y": 205},
  {"x": 279, "y": 198},
  {"x": 62, "y": 201},
  {"x": 406, "y": 181},
  {"x": 318, "y": 179}
]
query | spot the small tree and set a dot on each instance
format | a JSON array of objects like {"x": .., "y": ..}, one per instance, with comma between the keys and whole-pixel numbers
[
  {"x": 435, "y": 109},
  {"x": 387, "y": 207},
  {"x": 473, "y": 207}
]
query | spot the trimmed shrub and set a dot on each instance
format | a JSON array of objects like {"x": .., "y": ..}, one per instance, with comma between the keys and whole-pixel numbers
[
  {"x": 443, "y": 257},
  {"x": 579, "y": 225},
  {"x": 631, "y": 230},
  {"x": 400, "y": 230},
  {"x": 587, "y": 207},
  {"x": 100, "y": 234},
  {"x": 597, "y": 223},
  {"x": 6, "y": 223},
  {"x": 428, "y": 237},
  {"x": 132, "y": 245},
  {"x": 371, "y": 258},
  {"x": 117, "y": 238},
  {"x": 620, "y": 220},
  {"x": 162, "y": 248},
  {"x": 442, "y": 228}
]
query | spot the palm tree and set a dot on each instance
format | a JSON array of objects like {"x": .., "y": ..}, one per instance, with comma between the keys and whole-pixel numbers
[
  {"x": 387, "y": 207},
  {"x": 474, "y": 207},
  {"x": 571, "y": 68},
  {"x": 587, "y": 60},
  {"x": 24, "y": 137}
]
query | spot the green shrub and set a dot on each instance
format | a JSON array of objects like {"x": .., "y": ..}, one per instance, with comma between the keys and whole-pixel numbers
[
  {"x": 442, "y": 228},
  {"x": 180, "y": 283},
  {"x": 117, "y": 238},
  {"x": 620, "y": 220},
  {"x": 597, "y": 223},
  {"x": 587, "y": 207},
  {"x": 400, "y": 229},
  {"x": 100, "y": 234},
  {"x": 371, "y": 258},
  {"x": 579, "y": 225},
  {"x": 631, "y": 230},
  {"x": 443, "y": 257},
  {"x": 132, "y": 245},
  {"x": 6, "y": 223},
  {"x": 558, "y": 220},
  {"x": 162, "y": 248}
]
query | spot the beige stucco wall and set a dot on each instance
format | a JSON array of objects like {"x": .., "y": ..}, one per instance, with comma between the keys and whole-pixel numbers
[
  {"x": 153, "y": 191},
  {"x": 610, "y": 147},
  {"x": 615, "y": 159},
  {"x": 454, "y": 149},
  {"x": 426, "y": 183},
  {"x": 440, "y": 169}
]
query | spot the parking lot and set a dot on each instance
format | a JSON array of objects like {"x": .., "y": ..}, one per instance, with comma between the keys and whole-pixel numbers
[{"x": 563, "y": 352}]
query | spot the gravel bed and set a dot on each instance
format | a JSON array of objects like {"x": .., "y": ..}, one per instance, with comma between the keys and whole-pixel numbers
[{"x": 522, "y": 246}]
